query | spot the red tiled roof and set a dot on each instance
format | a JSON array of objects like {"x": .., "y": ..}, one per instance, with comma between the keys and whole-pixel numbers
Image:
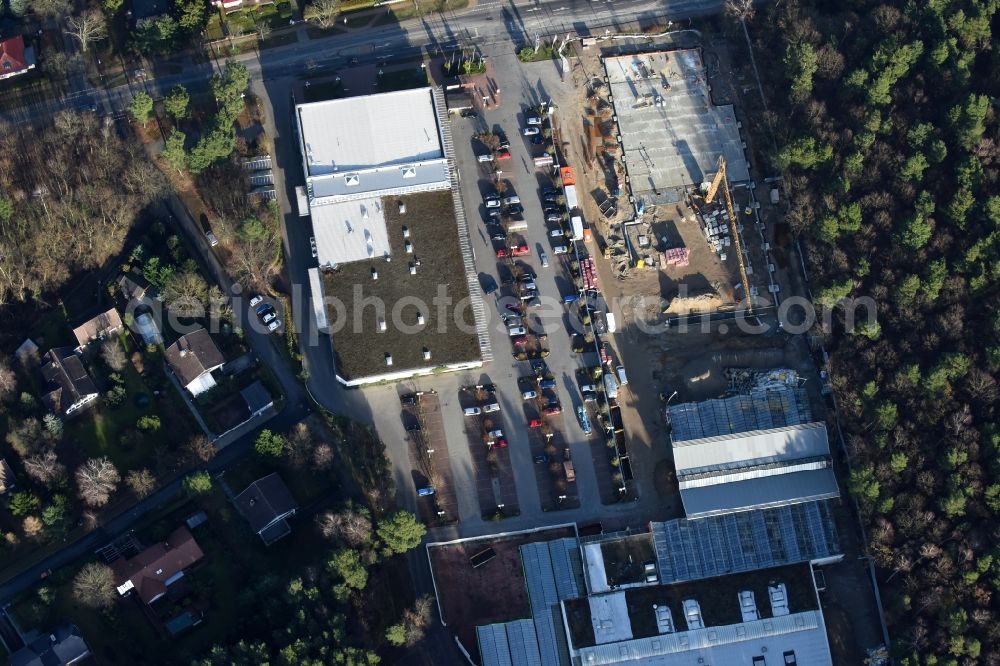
[
  {"x": 149, "y": 570},
  {"x": 12, "y": 54}
]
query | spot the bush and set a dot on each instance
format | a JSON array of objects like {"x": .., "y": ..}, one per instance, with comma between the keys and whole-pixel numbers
[
  {"x": 21, "y": 504},
  {"x": 148, "y": 423},
  {"x": 269, "y": 444},
  {"x": 115, "y": 397},
  {"x": 198, "y": 483}
]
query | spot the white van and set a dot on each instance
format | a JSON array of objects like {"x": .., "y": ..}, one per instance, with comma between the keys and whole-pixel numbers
[{"x": 622, "y": 379}]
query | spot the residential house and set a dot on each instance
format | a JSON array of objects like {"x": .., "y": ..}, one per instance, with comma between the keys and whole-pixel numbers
[
  {"x": 267, "y": 504},
  {"x": 63, "y": 645},
  {"x": 101, "y": 327},
  {"x": 192, "y": 359},
  {"x": 15, "y": 57},
  {"x": 134, "y": 288},
  {"x": 234, "y": 5},
  {"x": 257, "y": 398},
  {"x": 69, "y": 386},
  {"x": 150, "y": 573}
]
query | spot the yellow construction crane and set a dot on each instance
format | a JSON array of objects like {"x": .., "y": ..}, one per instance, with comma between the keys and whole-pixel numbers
[{"x": 713, "y": 190}]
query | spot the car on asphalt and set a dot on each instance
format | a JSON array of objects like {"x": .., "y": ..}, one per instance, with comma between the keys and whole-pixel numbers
[
  {"x": 541, "y": 459},
  {"x": 426, "y": 491},
  {"x": 500, "y": 443},
  {"x": 520, "y": 250},
  {"x": 408, "y": 399},
  {"x": 535, "y": 423},
  {"x": 492, "y": 202},
  {"x": 547, "y": 383},
  {"x": 269, "y": 316},
  {"x": 312, "y": 246},
  {"x": 469, "y": 113},
  {"x": 589, "y": 397},
  {"x": 263, "y": 309},
  {"x": 581, "y": 416},
  {"x": 494, "y": 216},
  {"x": 511, "y": 319},
  {"x": 502, "y": 138},
  {"x": 273, "y": 326},
  {"x": 473, "y": 411},
  {"x": 511, "y": 200},
  {"x": 551, "y": 199},
  {"x": 544, "y": 258},
  {"x": 528, "y": 295},
  {"x": 529, "y": 395},
  {"x": 553, "y": 217},
  {"x": 413, "y": 427},
  {"x": 503, "y": 253},
  {"x": 531, "y": 130},
  {"x": 548, "y": 190},
  {"x": 519, "y": 341},
  {"x": 498, "y": 235},
  {"x": 557, "y": 233},
  {"x": 491, "y": 407},
  {"x": 503, "y": 154},
  {"x": 495, "y": 433},
  {"x": 529, "y": 286},
  {"x": 622, "y": 377},
  {"x": 533, "y": 120},
  {"x": 552, "y": 410},
  {"x": 584, "y": 388},
  {"x": 515, "y": 209},
  {"x": 516, "y": 330},
  {"x": 256, "y": 300},
  {"x": 484, "y": 157},
  {"x": 489, "y": 388},
  {"x": 560, "y": 249},
  {"x": 513, "y": 307}
]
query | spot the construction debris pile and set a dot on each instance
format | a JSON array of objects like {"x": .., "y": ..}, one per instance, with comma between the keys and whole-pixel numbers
[
  {"x": 747, "y": 380},
  {"x": 714, "y": 221}
]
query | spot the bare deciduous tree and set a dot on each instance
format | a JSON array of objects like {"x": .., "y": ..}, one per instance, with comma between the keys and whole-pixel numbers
[
  {"x": 322, "y": 456},
  {"x": 113, "y": 354},
  {"x": 741, "y": 10},
  {"x": 87, "y": 28},
  {"x": 142, "y": 482},
  {"x": 354, "y": 527},
  {"x": 8, "y": 381},
  {"x": 33, "y": 527},
  {"x": 44, "y": 467},
  {"x": 96, "y": 479},
  {"x": 323, "y": 12},
  {"x": 201, "y": 448},
  {"x": 94, "y": 585}
]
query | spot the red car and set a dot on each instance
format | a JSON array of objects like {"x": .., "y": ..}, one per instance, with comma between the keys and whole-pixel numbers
[
  {"x": 520, "y": 340},
  {"x": 502, "y": 254},
  {"x": 503, "y": 154},
  {"x": 520, "y": 250},
  {"x": 553, "y": 410},
  {"x": 535, "y": 423},
  {"x": 501, "y": 443}
]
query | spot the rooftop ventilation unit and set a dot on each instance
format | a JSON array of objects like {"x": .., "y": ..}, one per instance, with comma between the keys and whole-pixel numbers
[
  {"x": 409, "y": 172},
  {"x": 352, "y": 179}
]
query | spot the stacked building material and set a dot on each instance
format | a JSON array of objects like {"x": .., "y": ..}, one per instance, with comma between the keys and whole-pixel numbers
[{"x": 677, "y": 256}]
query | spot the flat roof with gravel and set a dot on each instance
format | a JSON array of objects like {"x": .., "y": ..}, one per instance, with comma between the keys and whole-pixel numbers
[{"x": 671, "y": 131}]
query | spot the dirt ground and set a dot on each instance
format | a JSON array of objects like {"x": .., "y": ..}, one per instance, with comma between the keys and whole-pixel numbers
[{"x": 495, "y": 592}]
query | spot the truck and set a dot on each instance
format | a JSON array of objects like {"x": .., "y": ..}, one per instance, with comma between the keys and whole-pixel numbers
[
  {"x": 612, "y": 325},
  {"x": 610, "y": 385},
  {"x": 301, "y": 200},
  {"x": 577, "y": 222}
]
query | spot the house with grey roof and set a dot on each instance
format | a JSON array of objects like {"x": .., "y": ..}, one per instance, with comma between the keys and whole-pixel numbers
[
  {"x": 266, "y": 505},
  {"x": 69, "y": 386}
]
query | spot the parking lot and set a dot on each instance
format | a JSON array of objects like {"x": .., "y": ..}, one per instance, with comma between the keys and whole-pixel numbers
[
  {"x": 485, "y": 431},
  {"x": 431, "y": 473}
]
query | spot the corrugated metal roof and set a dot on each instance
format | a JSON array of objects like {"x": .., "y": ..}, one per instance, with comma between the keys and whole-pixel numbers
[
  {"x": 731, "y": 543},
  {"x": 523, "y": 643},
  {"x": 493, "y": 646},
  {"x": 759, "y": 493},
  {"x": 737, "y": 644},
  {"x": 369, "y": 131},
  {"x": 731, "y": 450},
  {"x": 774, "y": 407}
]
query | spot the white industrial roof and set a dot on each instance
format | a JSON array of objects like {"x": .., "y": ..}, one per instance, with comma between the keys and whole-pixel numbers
[
  {"x": 609, "y": 617},
  {"x": 349, "y": 231},
  {"x": 386, "y": 181},
  {"x": 756, "y": 447},
  {"x": 801, "y": 633},
  {"x": 357, "y": 133},
  {"x": 760, "y": 493}
]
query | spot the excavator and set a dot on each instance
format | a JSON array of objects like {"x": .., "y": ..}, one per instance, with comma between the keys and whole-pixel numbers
[{"x": 713, "y": 190}]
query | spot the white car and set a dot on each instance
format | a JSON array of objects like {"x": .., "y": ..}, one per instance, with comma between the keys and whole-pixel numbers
[
  {"x": 588, "y": 388},
  {"x": 529, "y": 286},
  {"x": 560, "y": 249},
  {"x": 512, "y": 199},
  {"x": 516, "y": 330},
  {"x": 529, "y": 395},
  {"x": 269, "y": 317},
  {"x": 473, "y": 411},
  {"x": 557, "y": 233},
  {"x": 312, "y": 246},
  {"x": 622, "y": 377},
  {"x": 544, "y": 258},
  {"x": 531, "y": 130},
  {"x": 534, "y": 120},
  {"x": 273, "y": 326},
  {"x": 492, "y": 202},
  {"x": 484, "y": 158},
  {"x": 495, "y": 433},
  {"x": 492, "y": 407},
  {"x": 256, "y": 300}
]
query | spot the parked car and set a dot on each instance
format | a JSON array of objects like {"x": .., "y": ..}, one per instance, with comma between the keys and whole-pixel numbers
[
  {"x": 529, "y": 286},
  {"x": 527, "y": 275},
  {"x": 544, "y": 258},
  {"x": 498, "y": 235},
  {"x": 549, "y": 190},
  {"x": 519, "y": 341},
  {"x": 263, "y": 309},
  {"x": 269, "y": 317},
  {"x": 212, "y": 240},
  {"x": 503, "y": 154},
  {"x": 622, "y": 378},
  {"x": 588, "y": 387},
  {"x": 426, "y": 491},
  {"x": 531, "y": 130},
  {"x": 552, "y": 199},
  {"x": 512, "y": 199},
  {"x": 557, "y": 233},
  {"x": 515, "y": 209},
  {"x": 495, "y": 433},
  {"x": 500, "y": 443},
  {"x": 513, "y": 307},
  {"x": 529, "y": 395},
  {"x": 503, "y": 253},
  {"x": 553, "y": 217},
  {"x": 469, "y": 113},
  {"x": 520, "y": 250},
  {"x": 534, "y": 120},
  {"x": 473, "y": 411},
  {"x": 552, "y": 410},
  {"x": 560, "y": 249},
  {"x": 492, "y": 202},
  {"x": 541, "y": 459},
  {"x": 516, "y": 330},
  {"x": 312, "y": 246},
  {"x": 502, "y": 138},
  {"x": 256, "y": 300},
  {"x": 589, "y": 397},
  {"x": 535, "y": 423},
  {"x": 408, "y": 399},
  {"x": 547, "y": 383},
  {"x": 273, "y": 326},
  {"x": 528, "y": 295},
  {"x": 491, "y": 407},
  {"x": 413, "y": 427},
  {"x": 488, "y": 284},
  {"x": 485, "y": 157}
]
